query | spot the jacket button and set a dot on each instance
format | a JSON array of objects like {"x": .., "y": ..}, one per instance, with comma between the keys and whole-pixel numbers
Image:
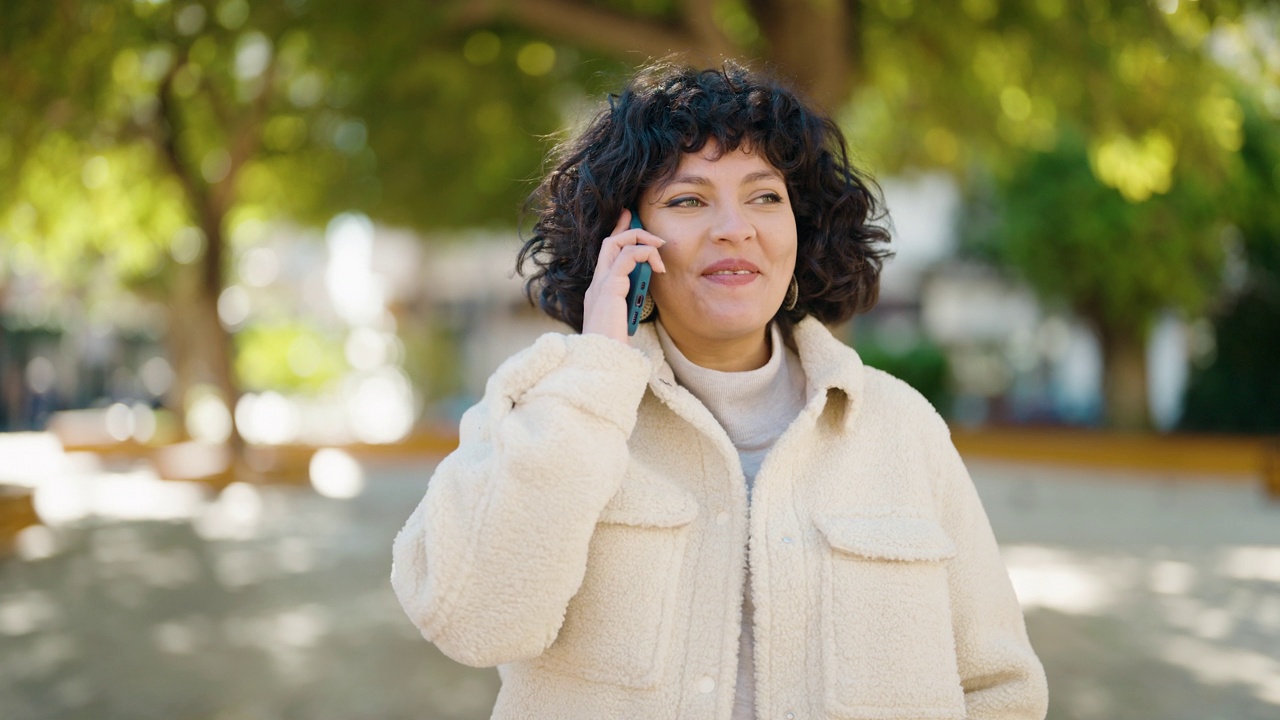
[
  {"x": 791, "y": 716},
  {"x": 706, "y": 684},
  {"x": 786, "y": 539},
  {"x": 722, "y": 518}
]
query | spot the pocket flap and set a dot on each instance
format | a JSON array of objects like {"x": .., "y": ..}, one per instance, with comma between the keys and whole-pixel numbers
[
  {"x": 650, "y": 504},
  {"x": 904, "y": 539}
]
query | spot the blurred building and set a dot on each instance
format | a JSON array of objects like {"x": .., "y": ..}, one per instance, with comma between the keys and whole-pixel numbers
[
  {"x": 1011, "y": 360},
  {"x": 54, "y": 357}
]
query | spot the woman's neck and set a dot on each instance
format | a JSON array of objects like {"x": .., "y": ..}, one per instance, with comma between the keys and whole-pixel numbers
[{"x": 749, "y": 352}]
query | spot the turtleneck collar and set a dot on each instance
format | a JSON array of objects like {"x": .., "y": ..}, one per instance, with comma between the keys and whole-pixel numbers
[
  {"x": 753, "y": 406},
  {"x": 828, "y": 363}
]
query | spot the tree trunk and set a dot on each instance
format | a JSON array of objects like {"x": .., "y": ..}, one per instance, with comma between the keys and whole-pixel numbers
[
  {"x": 209, "y": 289},
  {"x": 209, "y": 208},
  {"x": 199, "y": 347},
  {"x": 1124, "y": 378},
  {"x": 181, "y": 341},
  {"x": 809, "y": 40}
]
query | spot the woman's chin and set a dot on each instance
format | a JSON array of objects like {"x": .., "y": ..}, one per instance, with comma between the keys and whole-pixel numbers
[{"x": 727, "y": 325}]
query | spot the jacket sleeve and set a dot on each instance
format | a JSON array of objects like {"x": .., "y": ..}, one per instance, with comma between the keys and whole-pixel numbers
[
  {"x": 488, "y": 561},
  {"x": 999, "y": 670}
]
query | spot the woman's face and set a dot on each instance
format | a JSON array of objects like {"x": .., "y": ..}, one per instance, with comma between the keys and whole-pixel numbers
[{"x": 731, "y": 245}]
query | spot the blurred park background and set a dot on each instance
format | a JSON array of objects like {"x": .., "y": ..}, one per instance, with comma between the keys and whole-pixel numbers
[{"x": 257, "y": 257}]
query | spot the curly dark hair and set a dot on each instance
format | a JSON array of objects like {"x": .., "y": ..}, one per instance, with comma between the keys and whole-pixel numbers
[{"x": 668, "y": 109}]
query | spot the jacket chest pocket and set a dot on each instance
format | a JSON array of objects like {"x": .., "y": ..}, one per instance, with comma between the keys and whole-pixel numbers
[
  {"x": 618, "y": 627},
  {"x": 889, "y": 650}
]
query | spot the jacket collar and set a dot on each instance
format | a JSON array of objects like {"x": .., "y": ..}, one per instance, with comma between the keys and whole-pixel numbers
[{"x": 828, "y": 365}]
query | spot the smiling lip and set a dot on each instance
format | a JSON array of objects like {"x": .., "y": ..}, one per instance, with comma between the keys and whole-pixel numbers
[{"x": 734, "y": 271}]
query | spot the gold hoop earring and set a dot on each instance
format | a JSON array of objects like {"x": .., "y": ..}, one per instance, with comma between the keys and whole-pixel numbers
[
  {"x": 647, "y": 308},
  {"x": 793, "y": 295}
]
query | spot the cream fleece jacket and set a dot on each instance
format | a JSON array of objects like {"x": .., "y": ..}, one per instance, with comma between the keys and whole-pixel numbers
[
  {"x": 754, "y": 407},
  {"x": 588, "y": 536}
]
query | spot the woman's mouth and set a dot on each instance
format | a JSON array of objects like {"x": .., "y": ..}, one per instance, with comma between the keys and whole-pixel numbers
[{"x": 734, "y": 271}]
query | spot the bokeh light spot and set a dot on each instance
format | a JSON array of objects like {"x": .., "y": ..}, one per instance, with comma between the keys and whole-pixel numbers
[
  {"x": 268, "y": 419},
  {"x": 259, "y": 267},
  {"x": 233, "y": 306},
  {"x": 190, "y": 19},
  {"x": 119, "y": 422},
  {"x": 125, "y": 67},
  {"x": 1223, "y": 118},
  {"x": 1137, "y": 168},
  {"x": 980, "y": 9},
  {"x": 208, "y": 419},
  {"x": 350, "y": 136},
  {"x": 897, "y": 9},
  {"x": 335, "y": 474},
  {"x": 232, "y": 13},
  {"x": 40, "y": 375},
  {"x": 306, "y": 89},
  {"x": 536, "y": 58},
  {"x": 216, "y": 165},
  {"x": 144, "y": 422},
  {"x": 187, "y": 244},
  {"x": 253, "y": 54},
  {"x": 482, "y": 48},
  {"x": 1050, "y": 9},
  {"x": 1015, "y": 103},
  {"x": 96, "y": 172},
  {"x": 380, "y": 406}
]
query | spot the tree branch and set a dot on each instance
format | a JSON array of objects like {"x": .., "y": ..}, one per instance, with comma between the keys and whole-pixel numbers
[
  {"x": 248, "y": 137},
  {"x": 855, "y": 47},
  {"x": 584, "y": 24},
  {"x": 167, "y": 141},
  {"x": 809, "y": 40},
  {"x": 699, "y": 18},
  {"x": 218, "y": 103}
]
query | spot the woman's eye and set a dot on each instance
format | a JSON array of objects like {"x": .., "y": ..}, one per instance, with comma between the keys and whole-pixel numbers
[
  {"x": 768, "y": 198},
  {"x": 685, "y": 202}
]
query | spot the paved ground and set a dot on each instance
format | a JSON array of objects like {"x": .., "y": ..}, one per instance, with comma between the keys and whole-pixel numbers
[{"x": 1145, "y": 599}]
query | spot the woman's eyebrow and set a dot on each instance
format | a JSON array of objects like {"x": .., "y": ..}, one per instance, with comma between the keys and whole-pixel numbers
[
  {"x": 747, "y": 179},
  {"x": 689, "y": 180},
  {"x": 761, "y": 175}
]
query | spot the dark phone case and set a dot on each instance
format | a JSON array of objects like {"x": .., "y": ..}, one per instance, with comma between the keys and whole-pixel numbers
[{"x": 639, "y": 278}]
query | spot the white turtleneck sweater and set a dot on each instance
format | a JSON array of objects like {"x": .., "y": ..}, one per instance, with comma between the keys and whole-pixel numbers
[{"x": 754, "y": 408}]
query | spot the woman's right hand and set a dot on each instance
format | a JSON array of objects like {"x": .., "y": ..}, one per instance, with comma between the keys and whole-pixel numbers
[{"x": 604, "y": 308}]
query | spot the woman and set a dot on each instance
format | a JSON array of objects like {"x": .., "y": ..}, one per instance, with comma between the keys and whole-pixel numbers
[{"x": 726, "y": 515}]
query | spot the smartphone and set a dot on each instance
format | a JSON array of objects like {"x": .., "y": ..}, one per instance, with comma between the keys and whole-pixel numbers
[{"x": 639, "y": 290}]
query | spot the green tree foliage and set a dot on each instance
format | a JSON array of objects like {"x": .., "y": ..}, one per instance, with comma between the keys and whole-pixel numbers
[
  {"x": 437, "y": 115},
  {"x": 167, "y": 109},
  {"x": 1115, "y": 262},
  {"x": 93, "y": 211},
  {"x": 1239, "y": 388},
  {"x": 147, "y": 141},
  {"x": 923, "y": 366},
  {"x": 991, "y": 81}
]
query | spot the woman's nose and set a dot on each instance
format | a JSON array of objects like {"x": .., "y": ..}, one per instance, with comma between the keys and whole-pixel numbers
[{"x": 732, "y": 225}]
